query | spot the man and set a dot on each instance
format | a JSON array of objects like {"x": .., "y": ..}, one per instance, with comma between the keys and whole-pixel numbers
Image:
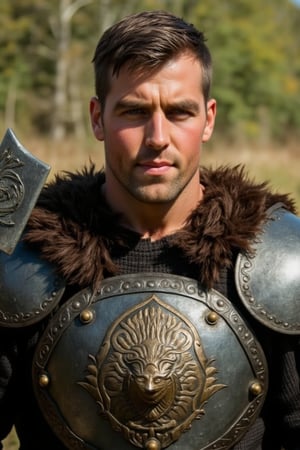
[{"x": 155, "y": 342}]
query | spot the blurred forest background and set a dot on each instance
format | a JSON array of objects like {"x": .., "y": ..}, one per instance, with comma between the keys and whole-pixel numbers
[
  {"x": 46, "y": 80},
  {"x": 46, "y": 74}
]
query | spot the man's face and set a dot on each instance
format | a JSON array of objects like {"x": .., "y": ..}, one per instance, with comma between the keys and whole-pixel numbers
[{"x": 153, "y": 126}]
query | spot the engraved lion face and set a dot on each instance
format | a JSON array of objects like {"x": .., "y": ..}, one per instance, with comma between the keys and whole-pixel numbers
[{"x": 150, "y": 376}]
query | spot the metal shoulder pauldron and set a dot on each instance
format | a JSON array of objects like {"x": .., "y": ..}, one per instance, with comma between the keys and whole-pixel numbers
[
  {"x": 29, "y": 287},
  {"x": 268, "y": 278}
]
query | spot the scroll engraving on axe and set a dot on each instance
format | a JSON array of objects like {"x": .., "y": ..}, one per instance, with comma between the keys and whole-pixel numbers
[{"x": 22, "y": 177}]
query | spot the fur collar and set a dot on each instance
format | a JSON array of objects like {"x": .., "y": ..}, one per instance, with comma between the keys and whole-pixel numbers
[{"x": 73, "y": 227}]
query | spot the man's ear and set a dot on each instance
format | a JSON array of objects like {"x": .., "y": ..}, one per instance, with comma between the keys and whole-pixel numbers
[
  {"x": 96, "y": 118},
  {"x": 211, "y": 111}
]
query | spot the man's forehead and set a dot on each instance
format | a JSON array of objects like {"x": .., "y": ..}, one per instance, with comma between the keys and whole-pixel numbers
[
  {"x": 140, "y": 71},
  {"x": 178, "y": 79}
]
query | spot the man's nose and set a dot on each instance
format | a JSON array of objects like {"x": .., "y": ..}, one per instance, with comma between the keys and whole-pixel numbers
[{"x": 157, "y": 132}]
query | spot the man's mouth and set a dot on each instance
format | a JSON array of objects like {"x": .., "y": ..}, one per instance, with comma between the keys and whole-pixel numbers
[{"x": 155, "y": 167}]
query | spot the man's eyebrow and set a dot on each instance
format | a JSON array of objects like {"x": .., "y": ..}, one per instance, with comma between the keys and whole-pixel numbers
[
  {"x": 128, "y": 103},
  {"x": 188, "y": 105}
]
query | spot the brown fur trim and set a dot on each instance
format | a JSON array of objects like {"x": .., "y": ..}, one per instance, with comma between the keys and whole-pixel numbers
[
  {"x": 72, "y": 226},
  {"x": 226, "y": 221}
]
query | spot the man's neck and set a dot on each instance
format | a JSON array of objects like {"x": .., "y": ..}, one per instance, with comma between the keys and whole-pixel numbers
[{"x": 155, "y": 220}]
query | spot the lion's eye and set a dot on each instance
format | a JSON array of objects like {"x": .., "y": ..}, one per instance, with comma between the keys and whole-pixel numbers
[{"x": 158, "y": 380}]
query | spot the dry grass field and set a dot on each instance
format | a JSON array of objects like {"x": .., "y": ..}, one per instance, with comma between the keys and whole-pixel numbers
[{"x": 280, "y": 167}]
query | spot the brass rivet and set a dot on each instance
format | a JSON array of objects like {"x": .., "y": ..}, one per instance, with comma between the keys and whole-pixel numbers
[
  {"x": 44, "y": 380},
  {"x": 256, "y": 388},
  {"x": 212, "y": 318},
  {"x": 152, "y": 444},
  {"x": 86, "y": 316}
]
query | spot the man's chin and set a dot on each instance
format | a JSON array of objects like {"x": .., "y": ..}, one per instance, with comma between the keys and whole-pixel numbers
[{"x": 154, "y": 196}]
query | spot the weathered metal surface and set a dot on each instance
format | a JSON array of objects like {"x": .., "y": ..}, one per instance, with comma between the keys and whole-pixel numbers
[
  {"x": 22, "y": 177},
  {"x": 151, "y": 361}
]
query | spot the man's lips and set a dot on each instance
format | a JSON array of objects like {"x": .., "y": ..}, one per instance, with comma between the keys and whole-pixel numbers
[{"x": 155, "y": 167}]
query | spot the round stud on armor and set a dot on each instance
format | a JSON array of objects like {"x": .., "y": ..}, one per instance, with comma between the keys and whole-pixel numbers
[
  {"x": 153, "y": 444},
  {"x": 256, "y": 388},
  {"x": 86, "y": 316},
  {"x": 44, "y": 380},
  {"x": 212, "y": 318}
]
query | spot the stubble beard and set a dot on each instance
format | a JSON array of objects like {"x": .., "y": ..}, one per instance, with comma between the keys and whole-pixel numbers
[{"x": 157, "y": 192}]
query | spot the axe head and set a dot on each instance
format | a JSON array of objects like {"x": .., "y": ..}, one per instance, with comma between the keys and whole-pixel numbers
[{"x": 22, "y": 177}]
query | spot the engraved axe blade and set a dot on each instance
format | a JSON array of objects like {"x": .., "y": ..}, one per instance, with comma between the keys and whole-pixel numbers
[{"x": 22, "y": 177}]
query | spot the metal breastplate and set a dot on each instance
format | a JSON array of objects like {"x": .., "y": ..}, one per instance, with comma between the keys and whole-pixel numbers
[{"x": 151, "y": 361}]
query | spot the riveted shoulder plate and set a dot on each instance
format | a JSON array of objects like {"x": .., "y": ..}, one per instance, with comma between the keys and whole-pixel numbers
[
  {"x": 268, "y": 280},
  {"x": 30, "y": 288}
]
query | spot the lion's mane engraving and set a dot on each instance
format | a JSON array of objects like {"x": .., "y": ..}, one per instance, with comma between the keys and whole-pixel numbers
[{"x": 151, "y": 377}]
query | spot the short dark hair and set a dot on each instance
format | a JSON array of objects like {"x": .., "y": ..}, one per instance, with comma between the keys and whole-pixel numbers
[{"x": 147, "y": 40}]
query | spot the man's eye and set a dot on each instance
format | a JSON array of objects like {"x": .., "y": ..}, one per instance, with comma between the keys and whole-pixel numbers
[
  {"x": 179, "y": 113},
  {"x": 134, "y": 112}
]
